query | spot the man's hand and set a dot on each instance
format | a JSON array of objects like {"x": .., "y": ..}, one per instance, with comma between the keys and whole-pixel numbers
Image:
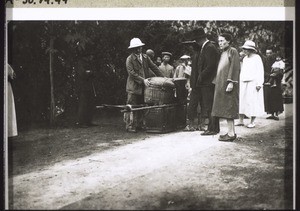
[
  {"x": 229, "y": 87},
  {"x": 147, "y": 82},
  {"x": 258, "y": 88}
]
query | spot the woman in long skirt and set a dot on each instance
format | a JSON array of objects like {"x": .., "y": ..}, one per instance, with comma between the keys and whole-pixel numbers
[
  {"x": 251, "y": 101},
  {"x": 226, "y": 97}
]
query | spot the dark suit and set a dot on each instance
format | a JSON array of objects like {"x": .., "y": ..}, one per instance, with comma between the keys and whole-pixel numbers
[
  {"x": 137, "y": 71},
  {"x": 204, "y": 69}
]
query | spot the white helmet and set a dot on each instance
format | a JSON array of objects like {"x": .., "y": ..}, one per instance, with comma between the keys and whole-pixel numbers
[{"x": 135, "y": 42}]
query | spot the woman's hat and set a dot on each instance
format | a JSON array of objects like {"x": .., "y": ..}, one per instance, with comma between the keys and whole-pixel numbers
[
  {"x": 185, "y": 57},
  {"x": 135, "y": 42},
  {"x": 250, "y": 45}
]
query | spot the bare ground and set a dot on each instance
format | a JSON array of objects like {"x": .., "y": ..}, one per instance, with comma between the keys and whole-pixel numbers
[{"x": 104, "y": 167}]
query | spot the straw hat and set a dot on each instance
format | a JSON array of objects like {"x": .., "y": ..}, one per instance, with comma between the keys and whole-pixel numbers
[
  {"x": 250, "y": 45},
  {"x": 135, "y": 42}
]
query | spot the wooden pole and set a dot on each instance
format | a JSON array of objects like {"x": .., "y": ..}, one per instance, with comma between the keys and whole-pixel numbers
[
  {"x": 52, "y": 101},
  {"x": 151, "y": 107}
]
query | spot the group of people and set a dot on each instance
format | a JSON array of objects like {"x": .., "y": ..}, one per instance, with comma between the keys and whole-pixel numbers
[{"x": 220, "y": 83}]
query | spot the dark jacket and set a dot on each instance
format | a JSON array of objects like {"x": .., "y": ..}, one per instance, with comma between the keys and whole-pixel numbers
[
  {"x": 138, "y": 71},
  {"x": 205, "y": 66},
  {"x": 85, "y": 78}
]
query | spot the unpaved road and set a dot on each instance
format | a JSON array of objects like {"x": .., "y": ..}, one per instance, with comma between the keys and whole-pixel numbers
[{"x": 180, "y": 170}]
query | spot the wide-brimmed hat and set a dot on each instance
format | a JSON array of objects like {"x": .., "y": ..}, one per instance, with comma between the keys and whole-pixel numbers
[
  {"x": 250, "y": 45},
  {"x": 185, "y": 57},
  {"x": 166, "y": 53},
  {"x": 191, "y": 37},
  {"x": 135, "y": 42}
]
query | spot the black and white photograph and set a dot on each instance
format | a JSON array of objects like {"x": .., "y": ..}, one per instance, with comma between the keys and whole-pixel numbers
[{"x": 159, "y": 114}]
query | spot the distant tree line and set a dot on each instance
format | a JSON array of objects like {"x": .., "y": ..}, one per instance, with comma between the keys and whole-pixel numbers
[{"x": 44, "y": 56}]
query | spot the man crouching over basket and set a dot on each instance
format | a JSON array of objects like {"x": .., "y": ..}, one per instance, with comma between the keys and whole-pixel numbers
[{"x": 137, "y": 65}]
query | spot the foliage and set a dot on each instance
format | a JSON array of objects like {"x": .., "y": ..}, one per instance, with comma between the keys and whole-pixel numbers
[{"x": 29, "y": 55}]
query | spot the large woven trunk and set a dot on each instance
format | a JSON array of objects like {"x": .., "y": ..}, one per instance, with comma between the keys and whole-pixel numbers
[
  {"x": 161, "y": 120},
  {"x": 159, "y": 95},
  {"x": 161, "y": 91}
]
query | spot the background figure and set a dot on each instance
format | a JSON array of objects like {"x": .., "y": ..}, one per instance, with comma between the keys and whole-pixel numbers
[
  {"x": 183, "y": 67},
  {"x": 150, "y": 53},
  {"x": 165, "y": 67},
  {"x": 138, "y": 66},
  {"x": 11, "y": 112},
  {"x": 87, "y": 94},
  {"x": 158, "y": 61},
  {"x": 277, "y": 71},
  {"x": 226, "y": 99},
  {"x": 251, "y": 102},
  {"x": 272, "y": 95}
]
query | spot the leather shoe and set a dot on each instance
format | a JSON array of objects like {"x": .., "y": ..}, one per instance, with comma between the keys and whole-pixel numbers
[
  {"x": 226, "y": 137},
  {"x": 270, "y": 117},
  {"x": 208, "y": 133},
  {"x": 223, "y": 136}
]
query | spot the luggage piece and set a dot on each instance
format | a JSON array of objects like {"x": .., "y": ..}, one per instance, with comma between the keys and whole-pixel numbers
[
  {"x": 159, "y": 95},
  {"x": 181, "y": 91},
  {"x": 161, "y": 91},
  {"x": 160, "y": 120},
  {"x": 181, "y": 111}
]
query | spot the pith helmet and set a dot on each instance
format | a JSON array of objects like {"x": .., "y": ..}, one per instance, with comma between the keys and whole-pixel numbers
[{"x": 135, "y": 42}]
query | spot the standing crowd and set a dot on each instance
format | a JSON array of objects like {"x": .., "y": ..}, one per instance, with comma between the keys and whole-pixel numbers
[{"x": 222, "y": 83}]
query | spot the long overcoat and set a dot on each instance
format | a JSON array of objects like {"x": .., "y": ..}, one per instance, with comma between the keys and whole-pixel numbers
[{"x": 226, "y": 104}]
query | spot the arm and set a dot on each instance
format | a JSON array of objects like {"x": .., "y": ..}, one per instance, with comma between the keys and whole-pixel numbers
[
  {"x": 136, "y": 77},
  {"x": 259, "y": 76},
  {"x": 154, "y": 68},
  {"x": 234, "y": 68},
  {"x": 176, "y": 73}
]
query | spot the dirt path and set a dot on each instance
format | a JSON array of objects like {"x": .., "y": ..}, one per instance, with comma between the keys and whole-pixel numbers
[{"x": 172, "y": 171}]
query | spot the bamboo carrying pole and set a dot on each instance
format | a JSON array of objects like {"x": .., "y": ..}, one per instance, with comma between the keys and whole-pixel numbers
[
  {"x": 128, "y": 106},
  {"x": 151, "y": 107}
]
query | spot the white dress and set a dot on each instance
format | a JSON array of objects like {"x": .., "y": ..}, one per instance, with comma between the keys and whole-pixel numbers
[
  {"x": 11, "y": 112},
  {"x": 251, "y": 101}
]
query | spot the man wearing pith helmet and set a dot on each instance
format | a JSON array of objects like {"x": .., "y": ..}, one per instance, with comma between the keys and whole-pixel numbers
[{"x": 138, "y": 66}]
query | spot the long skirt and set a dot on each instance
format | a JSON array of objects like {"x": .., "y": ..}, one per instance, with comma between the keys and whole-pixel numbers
[
  {"x": 251, "y": 101},
  {"x": 11, "y": 113}
]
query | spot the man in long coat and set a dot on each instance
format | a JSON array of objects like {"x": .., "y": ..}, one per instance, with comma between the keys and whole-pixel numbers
[
  {"x": 138, "y": 66},
  {"x": 86, "y": 90},
  {"x": 204, "y": 69}
]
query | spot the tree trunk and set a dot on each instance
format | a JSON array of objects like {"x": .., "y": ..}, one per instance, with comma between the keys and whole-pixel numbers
[{"x": 52, "y": 102}]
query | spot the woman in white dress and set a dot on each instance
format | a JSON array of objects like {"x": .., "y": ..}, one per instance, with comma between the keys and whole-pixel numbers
[{"x": 251, "y": 100}]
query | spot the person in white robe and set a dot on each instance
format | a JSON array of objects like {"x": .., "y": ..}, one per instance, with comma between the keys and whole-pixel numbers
[{"x": 251, "y": 100}]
